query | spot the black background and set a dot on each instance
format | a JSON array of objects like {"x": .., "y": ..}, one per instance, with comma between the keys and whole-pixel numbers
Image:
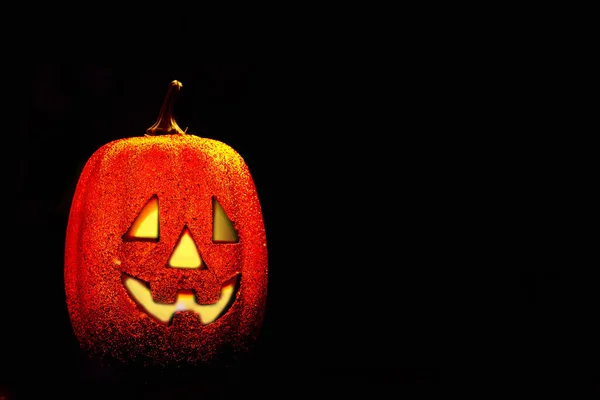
[{"x": 374, "y": 200}]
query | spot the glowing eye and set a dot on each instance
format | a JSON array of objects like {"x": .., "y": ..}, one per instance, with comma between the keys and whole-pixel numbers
[
  {"x": 145, "y": 226},
  {"x": 223, "y": 230}
]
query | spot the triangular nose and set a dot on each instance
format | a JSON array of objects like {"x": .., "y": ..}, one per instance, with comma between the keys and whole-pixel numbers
[{"x": 186, "y": 253}]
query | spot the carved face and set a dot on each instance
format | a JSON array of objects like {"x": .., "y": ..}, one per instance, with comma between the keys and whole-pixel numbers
[
  {"x": 175, "y": 292},
  {"x": 165, "y": 256}
]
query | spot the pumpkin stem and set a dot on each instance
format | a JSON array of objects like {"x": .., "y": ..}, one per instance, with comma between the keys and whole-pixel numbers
[{"x": 166, "y": 124}]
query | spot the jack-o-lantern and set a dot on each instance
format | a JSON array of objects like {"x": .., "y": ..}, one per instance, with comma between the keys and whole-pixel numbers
[{"x": 165, "y": 253}]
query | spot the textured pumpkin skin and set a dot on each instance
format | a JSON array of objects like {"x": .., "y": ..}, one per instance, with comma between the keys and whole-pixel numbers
[{"x": 184, "y": 172}]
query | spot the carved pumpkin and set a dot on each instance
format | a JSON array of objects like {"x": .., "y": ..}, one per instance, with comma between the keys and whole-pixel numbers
[{"x": 165, "y": 253}]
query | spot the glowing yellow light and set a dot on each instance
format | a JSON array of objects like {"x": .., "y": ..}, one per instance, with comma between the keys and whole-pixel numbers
[
  {"x": 145, "y": 225},
  {"x": 163, "y": 312},
  {"x": 185, "y": 254},
  {"x": 223, "y": 230}
]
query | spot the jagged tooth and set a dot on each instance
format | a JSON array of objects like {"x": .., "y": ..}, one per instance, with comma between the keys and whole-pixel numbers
[
  {"x": 207, "y": 290},
  {"x": 163, "y": 293},
  {"x": 187, "y": 319}
]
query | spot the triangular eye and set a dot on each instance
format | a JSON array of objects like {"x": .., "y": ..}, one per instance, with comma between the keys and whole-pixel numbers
[
  {"x": 145, "y": 226},
  {"x": 223, "y": 230}
]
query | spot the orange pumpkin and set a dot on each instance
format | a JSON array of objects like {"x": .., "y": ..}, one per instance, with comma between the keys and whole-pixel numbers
[{"x": 165, "y": 253}]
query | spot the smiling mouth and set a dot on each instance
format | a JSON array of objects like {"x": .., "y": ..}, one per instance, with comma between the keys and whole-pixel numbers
[{"x": 186, "y": 301}]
